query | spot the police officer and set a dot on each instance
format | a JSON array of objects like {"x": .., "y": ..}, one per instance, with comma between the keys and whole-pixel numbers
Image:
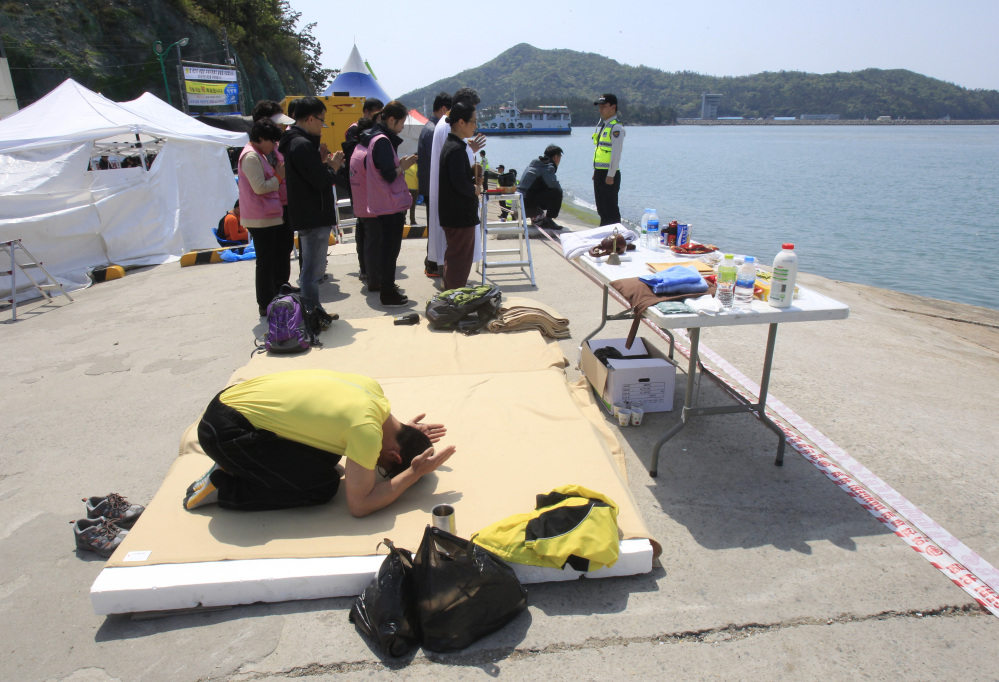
[{"x": 608, "y": 139}]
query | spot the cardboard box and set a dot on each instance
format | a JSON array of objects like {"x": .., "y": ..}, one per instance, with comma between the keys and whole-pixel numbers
[{"x": 649, "y": 381}]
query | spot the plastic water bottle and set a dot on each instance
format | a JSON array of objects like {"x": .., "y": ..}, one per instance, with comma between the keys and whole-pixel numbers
[
  {"x": 745, "y": 282},
  {"x": 645, "y": 227},
  {"x": 653, "y": 226},
  {"x": 726, "y": 281},
  {"x": 785, "y": 273}
]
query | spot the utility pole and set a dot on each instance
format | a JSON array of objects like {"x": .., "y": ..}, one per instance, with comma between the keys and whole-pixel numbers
[
  {"x": 180, "y": 79},
  {"x": 225, "y": 42}
]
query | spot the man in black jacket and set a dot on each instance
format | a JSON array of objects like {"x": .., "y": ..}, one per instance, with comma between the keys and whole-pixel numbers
[
  {"x": 458, "y": 197},
  {"x": 309, "y": 178},
  {"x": 541, "y": 189}
]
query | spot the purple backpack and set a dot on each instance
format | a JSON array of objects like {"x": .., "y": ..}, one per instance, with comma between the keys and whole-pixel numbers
[{"x": 288, "y": 330}]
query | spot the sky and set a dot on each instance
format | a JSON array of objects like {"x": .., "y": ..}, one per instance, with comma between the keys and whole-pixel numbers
[{"x": 413, "y": 44}]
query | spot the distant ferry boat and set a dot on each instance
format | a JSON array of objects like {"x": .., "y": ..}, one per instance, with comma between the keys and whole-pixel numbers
[{"x": 545, "y": 120}]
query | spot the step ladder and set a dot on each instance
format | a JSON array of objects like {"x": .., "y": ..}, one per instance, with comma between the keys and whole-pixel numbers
[
  {"x": 519, "y": 229},
  {"x": 10, "y": 248},
  {"x": 342, "y": 223}
]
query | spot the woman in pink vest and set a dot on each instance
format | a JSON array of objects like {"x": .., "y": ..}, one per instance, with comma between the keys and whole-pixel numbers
[
  {"x": 261, "y": 211},
  {"x": 388, "y": 197}
]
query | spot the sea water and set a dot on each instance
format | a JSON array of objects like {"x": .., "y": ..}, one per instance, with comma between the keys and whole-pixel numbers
[{"x": 860, "y": 203}]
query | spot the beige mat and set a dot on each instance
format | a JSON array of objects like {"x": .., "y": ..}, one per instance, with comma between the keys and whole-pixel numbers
[{"x": 519, "y": 428}]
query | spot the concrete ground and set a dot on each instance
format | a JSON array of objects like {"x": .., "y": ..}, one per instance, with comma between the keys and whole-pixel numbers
[{"x": 766, "y": 571}]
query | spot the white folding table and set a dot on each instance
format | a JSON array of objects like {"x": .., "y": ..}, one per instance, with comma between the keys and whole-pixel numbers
[{"x": 808, "y": 306}]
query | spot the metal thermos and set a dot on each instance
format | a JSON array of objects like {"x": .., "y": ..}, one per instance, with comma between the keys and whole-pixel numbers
[{"x": 442, "y": 516}]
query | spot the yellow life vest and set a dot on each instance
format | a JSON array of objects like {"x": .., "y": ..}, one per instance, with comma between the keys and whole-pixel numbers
[
  {"x": 602, "y": 140},
  {"x": 570, "y": 525}
]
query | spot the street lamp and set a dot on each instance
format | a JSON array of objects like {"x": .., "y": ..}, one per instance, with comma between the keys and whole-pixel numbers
[{"x": 161, "y": 54}]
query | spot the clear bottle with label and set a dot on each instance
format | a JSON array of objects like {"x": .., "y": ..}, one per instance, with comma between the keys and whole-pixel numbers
[
  {"x": 745, "y": 282},
  {"x": 785, "y": 274},
  {"x": 726, "y": 281},
  {"x": 653, "y": 225},
  {"x": 645, "y": 228}
]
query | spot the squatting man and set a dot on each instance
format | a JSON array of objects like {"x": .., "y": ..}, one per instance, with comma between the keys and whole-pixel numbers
[{"x": 276, "y": 441}]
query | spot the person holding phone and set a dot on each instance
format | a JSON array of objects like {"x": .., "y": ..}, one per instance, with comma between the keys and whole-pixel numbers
[
  {"x": 261, "y": 210},
  {"x": 388, "y": 197},
  {"x": 458, "y": 203}
]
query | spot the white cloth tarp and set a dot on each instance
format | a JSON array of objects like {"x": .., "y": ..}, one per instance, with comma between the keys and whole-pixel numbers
[
  {"x": 411, "y": 133},
  {"x": 72, "y": 219}
]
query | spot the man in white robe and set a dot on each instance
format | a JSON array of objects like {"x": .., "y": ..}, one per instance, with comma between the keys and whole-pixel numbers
[{"x": 436, "y": 242}]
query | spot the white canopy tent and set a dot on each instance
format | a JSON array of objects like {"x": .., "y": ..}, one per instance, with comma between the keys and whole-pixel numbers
[{"x": 72, "y": 218}]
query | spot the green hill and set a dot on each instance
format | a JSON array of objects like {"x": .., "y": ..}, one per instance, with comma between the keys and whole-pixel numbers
[
  {"x": 106, "y": 45},
  {"x": 652, "y": 96}
]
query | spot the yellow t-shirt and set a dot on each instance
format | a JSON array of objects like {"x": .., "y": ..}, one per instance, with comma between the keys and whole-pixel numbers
[
  {"x": 412, "y": 181},
  {"x": 333, "y": 411}
]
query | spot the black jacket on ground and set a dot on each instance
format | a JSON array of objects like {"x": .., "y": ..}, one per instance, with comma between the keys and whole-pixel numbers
[
  {"x": 457, "y": 204},
  {"x": 309, "y": 181}
]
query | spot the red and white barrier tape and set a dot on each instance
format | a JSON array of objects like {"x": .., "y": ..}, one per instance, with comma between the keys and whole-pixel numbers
[{"x": 964, "y": 567}]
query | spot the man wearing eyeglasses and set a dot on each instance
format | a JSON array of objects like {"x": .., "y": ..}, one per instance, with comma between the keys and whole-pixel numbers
[
  {"x": 276, "y": 441},
  {"x": 309, "y": 175}
]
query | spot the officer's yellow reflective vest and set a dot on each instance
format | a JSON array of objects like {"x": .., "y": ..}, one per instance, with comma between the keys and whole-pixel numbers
[
  {"x": 602, "y": 152},
  {"x": 571, "y": 525}
]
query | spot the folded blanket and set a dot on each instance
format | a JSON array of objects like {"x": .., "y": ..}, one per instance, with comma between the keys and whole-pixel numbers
[
  {"x": 575, "y": 244},
  {"x": 676, "y": 280},
  {"x": 518, "y": 314},
  {"x": 637, "y": 294}
]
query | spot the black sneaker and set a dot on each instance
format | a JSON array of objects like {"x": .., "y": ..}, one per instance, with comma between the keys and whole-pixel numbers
[
  {"x": 548, "y": 224},
  {"x": 98, "y": 535},
  {"x": 325, "y": 319},
  {"x": 393, "y": 299},
  {"x": 115, "y": 508}
]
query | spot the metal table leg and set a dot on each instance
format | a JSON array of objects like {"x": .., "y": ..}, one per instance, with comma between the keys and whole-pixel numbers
[
  {"x": 760, "y": 407},
  {"x": 688, "y": 402},
  {"x": 604, "y": 319}
]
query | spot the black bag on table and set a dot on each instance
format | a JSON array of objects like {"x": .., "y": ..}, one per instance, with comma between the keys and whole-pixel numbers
[
  {"x": 386, "y": 610},
  {"x": 464, "y": 592}
]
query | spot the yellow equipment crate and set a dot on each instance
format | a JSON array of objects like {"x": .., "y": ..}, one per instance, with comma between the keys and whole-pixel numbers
[{"x": 341, "y": 112}]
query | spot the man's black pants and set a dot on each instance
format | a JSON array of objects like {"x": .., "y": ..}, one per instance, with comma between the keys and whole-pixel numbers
[
  {"x": 260, "y": 469},
  {"x": 273, "y": 246},
  {"x": 369, "y": 250},
  {"x": 390, "y": 243},
  {"x": 548, "y": 200},
  {"x": 605, "y": 197}
]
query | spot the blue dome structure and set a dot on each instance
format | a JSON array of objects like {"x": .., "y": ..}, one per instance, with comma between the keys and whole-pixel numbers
[{"x": 356, "y": 80}]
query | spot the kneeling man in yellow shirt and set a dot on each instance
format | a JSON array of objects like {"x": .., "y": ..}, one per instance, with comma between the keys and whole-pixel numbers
[{"x": 276, "y": 441}]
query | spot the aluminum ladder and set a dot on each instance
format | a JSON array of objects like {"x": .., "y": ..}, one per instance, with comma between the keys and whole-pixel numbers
[
  {"x": 519, "y": 229},
  {"x": 11, "y": 248}
]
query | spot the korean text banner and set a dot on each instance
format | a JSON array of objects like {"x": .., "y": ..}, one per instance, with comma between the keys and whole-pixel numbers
[
  {"x": 201, "y": 73},
  {"x": 211, "y": 94}
]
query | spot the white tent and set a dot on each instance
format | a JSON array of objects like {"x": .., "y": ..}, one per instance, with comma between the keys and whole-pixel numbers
[
  {"x": 355, "y": 78},
  {"x": 411, "y": 132},
  {"x": 72, "y": 218}
]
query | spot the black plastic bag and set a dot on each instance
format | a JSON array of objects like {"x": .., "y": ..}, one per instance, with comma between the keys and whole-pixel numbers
[
  {"x": 386, "y": 610},
  {"x": 464, "y": 591}
]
